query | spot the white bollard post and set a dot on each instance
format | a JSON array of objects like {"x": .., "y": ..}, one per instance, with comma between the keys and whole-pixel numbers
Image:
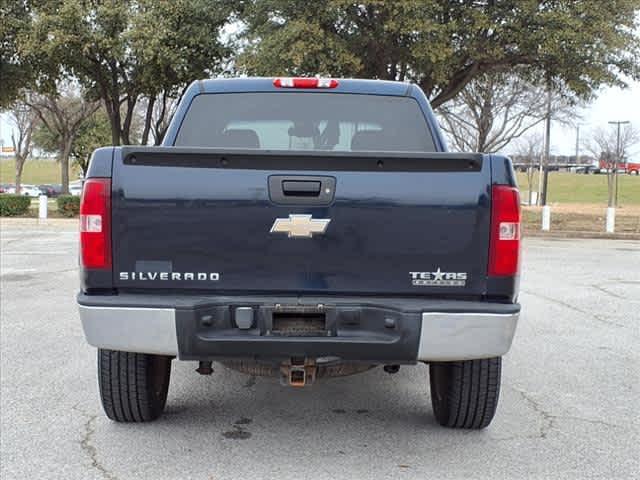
[
  {"x": 42, "y": 208},
  {"x": 611, "y": 219},
  {"x": 546, "y": 218}
]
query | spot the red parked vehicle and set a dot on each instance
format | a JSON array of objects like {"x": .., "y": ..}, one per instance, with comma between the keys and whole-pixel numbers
[{"x": 632, "y": 168}]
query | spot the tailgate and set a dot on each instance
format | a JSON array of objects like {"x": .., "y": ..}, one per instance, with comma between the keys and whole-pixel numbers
[{"x": 301, "y": 222}]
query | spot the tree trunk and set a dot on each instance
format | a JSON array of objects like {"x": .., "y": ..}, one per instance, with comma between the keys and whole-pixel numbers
[
  {"x": 65, "y": 152},
  {"x": 147, "y": 120},
  {"x": 393, "y": 71},
  {"x": 113, "y": 110},
  {"x": 610, "y": 189},
  {"x": 126, "y": 126},
  {"x": 530, "y": 183},
  {"x": 84, "y": 167},
  {"x": 159, "y": 136},
  {"x": 115, "y": 133},
  {"x": 112, "y": 106},
  {"x": 114, "y": 121},
  {"x": 19, "y": 167},
  {"x": 403, "y": 71},
  {"x": 160, "y": 126}
]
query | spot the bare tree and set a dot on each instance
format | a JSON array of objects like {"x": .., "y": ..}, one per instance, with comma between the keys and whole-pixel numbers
[
  {"x": 492, "y": 111},
  {"x": 603, "y": 144},
  {"x": 63, "y": 113},
  {"x": 529, "y": 151},
  {"x": 24, "y": 120}
]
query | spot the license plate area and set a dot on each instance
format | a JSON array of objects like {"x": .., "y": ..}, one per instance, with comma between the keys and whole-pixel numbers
[
  {"x": 298, "y": 324},
  {"x": 351, "y": 332}
]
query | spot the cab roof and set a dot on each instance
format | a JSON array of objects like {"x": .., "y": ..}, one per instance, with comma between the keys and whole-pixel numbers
[{"x": 266, "y": 84}]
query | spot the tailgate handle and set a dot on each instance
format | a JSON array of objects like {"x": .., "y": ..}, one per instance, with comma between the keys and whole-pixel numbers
[{"x": 301, "y": 188}]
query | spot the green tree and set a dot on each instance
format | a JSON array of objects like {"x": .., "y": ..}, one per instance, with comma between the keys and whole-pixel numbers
[
  {"x": 15, "y": 71},
  {"x": 94, "y": 133},
  {"x": 442, "y": 45},
  {"x": 124, "y": 51}
]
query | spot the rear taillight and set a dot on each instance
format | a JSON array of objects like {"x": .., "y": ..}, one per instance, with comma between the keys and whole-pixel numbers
[
  {"x": 95, "y": 224},
  {"x": 504, "y": 249},
  {"x": 288, "y": 82}
]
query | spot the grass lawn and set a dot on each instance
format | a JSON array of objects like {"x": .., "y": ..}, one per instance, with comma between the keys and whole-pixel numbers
[
  {"x": 36, "y": 172},
  {"x": 567, "y": 187}
]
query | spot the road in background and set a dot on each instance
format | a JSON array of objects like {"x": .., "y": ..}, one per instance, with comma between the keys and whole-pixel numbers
[{"x": 568, "y": 408}]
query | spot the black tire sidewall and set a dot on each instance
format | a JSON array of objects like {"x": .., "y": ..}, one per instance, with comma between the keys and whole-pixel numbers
[{"x": 133, "y": 386}]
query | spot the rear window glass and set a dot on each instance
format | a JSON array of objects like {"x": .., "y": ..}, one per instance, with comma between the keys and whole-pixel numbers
[{"x": 305, "y": 121}]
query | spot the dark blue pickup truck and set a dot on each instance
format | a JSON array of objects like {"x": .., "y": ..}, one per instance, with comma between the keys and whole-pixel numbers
[{"x": 301, "y": 228}]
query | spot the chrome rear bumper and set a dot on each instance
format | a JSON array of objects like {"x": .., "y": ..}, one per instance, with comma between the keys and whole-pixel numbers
[
  {"x": 440, "y": 335},
  {"x": 140, "y": 330},
  {"x": 465, "y": 336}
]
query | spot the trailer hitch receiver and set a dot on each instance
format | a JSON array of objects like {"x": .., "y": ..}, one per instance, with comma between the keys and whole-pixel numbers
[{"x": 298, "y": 372}]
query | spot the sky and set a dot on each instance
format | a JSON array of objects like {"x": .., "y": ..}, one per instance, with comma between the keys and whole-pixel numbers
[{"x": 610, "y": 104}]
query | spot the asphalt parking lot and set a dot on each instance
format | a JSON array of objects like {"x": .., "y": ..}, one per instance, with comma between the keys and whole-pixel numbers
[{"x": 568, "y": 408}]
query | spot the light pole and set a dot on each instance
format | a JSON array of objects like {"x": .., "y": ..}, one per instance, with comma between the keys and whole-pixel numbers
[
  {"x": 618, "y": 155},
  {"x": 547, "y": 149}
]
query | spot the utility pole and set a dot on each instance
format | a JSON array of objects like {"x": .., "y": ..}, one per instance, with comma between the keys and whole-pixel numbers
[
  {"x": 547, "y": 147},
  {"x": 618, "y": 156}
]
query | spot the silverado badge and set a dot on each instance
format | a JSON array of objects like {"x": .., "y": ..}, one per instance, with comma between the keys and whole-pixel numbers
[{"x": 300, "y": 226}]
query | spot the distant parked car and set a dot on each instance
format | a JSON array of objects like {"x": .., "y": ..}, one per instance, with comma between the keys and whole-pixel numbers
[
  {"x": 30, "y": 191},
  {"x": 75, "y": 190},
  {"x": 27, "y": 190},
  {"x": 632, "y": 168},
  {"x": 588, "y": 169},
  {"x": 50, "y": 190}
]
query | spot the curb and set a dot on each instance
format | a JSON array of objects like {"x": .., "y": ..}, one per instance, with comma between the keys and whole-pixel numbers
[
  {"x": 575, "y": 234},
  {"x": 51, "y": 223},
  {"x": 37, "y": 221}
]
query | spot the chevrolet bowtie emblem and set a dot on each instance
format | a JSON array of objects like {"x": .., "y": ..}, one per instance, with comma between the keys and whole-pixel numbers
[{"x": 300, "y": 226}]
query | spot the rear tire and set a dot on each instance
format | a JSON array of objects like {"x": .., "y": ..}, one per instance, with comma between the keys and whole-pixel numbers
[
  {"x": 133, "y": 386},
  {"x": 465, "y": 394}
]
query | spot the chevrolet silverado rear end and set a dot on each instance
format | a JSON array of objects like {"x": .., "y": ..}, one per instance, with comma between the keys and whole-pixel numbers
[{"x": 301, "y": 229}]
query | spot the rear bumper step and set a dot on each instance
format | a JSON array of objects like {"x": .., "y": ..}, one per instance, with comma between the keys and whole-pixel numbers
[{"x": 355, "y": 329}]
